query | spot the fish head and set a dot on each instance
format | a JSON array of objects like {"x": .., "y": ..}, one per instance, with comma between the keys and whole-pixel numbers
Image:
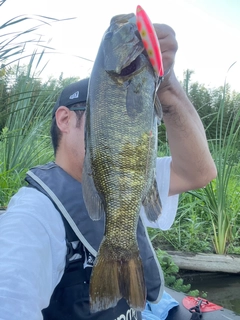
[{"x": 122, "y": 45}]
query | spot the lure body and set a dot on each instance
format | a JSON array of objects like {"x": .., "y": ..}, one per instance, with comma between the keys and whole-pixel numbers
[{"x": 150, "y": 40}]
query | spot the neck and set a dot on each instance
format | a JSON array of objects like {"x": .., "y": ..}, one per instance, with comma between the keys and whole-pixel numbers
[{"x": 73, "y": 168}]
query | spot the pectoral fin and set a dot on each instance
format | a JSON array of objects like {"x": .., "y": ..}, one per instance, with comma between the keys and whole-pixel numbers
[
  {"x": 152, "y": 203},
  {"x": 133, "y": 101}
]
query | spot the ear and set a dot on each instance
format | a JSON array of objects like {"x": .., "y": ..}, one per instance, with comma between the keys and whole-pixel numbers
[{"x": 63, "y": 118}]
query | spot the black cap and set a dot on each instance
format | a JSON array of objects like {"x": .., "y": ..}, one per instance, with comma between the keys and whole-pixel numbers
[{"x": 72, "y": 94}]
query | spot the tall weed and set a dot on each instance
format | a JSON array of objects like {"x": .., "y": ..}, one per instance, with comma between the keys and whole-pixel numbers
[
  {"x": 220, "y": 198},
  {"x": 24, "y": 141}
]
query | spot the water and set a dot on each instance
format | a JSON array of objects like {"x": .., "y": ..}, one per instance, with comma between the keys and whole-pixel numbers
[{"x": 221, "y": 288}]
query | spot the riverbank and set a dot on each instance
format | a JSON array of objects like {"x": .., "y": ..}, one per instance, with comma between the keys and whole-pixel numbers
[{"x": 208, "y": 262}]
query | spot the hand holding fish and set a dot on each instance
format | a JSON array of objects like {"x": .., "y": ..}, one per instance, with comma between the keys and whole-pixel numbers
[
  {"x": 169, "y": 46},
  {"x": 161, "y": 46}
]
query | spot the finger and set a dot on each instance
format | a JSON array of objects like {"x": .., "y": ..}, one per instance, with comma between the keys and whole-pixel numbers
[
  {"x": 166, "y": 37},
  {"x": 163, "y": 30},
  {"x": 168, "y": 44}
]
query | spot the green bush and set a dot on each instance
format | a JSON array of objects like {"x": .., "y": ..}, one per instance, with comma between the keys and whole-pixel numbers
[{"x": 171, "y": 277}]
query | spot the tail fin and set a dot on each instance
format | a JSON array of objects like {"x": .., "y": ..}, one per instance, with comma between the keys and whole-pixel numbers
[
  {"x": 113, "y": 279},
  {"x": 132, "y": 282}
]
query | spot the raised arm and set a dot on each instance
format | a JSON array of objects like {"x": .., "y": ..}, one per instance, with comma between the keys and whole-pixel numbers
[{"x": 192, "y": 165}]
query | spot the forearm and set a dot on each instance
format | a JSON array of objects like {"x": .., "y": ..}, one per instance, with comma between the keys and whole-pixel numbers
[{"x": 192, "y": 164}]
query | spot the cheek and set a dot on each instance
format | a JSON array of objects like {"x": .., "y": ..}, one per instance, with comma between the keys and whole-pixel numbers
[
  {"x": 82, "y": 146},
  {"x": 75, "y": 141},
  {"x": 79, "y": 142}
]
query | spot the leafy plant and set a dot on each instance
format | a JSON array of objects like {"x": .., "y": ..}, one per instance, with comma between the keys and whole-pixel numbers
[
  {"x": 191, "y": 230},
  {"x": 208, "y": 219},
  {"x": 25, "y": 138},
  {"x": 25, "y": 102},
  {"x": 24, "y": 141},
  {"x": 13, "y": 43},
  {"x": 2, "y": 2},
  {"x": 220, "y": 198},
  {"x": 171, "y": 277}
]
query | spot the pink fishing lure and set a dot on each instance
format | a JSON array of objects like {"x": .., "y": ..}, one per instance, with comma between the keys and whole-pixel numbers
[{"x": 150, "y": 40}]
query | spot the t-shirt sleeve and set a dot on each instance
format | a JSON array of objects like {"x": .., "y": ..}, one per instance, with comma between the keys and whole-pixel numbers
[{"x": 169, "y": 203}]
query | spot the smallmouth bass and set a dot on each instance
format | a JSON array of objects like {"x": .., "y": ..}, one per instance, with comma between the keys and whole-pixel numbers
[{"x": 119, "y": 167}]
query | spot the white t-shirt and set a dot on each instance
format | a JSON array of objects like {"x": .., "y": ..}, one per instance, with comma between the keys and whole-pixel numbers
[{"x": 33, "y": 247}]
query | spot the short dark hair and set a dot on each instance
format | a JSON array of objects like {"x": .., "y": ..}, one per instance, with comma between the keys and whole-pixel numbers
[{"x": 79, "y": 109}]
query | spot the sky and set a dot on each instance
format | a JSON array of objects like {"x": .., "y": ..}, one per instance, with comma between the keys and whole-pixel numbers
[{"x": 207, "y": 31}]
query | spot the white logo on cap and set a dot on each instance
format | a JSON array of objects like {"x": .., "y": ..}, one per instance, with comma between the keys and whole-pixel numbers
[{"x": 74, "y": 95}]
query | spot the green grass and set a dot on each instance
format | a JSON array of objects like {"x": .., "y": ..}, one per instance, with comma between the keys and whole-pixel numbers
[
  {"x": 25, "y": 140},
  {"x": 220, "y": 198}
]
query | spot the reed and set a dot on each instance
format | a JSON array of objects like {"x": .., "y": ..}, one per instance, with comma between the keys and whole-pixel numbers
[
  {"x": 24, "y": 141},
  {"x": 220, "y": 198}
]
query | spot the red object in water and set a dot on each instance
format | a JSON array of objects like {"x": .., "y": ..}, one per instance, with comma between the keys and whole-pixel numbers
[
  {"x": 205, "y": 306},
  {"x": 150, "y": 40}
]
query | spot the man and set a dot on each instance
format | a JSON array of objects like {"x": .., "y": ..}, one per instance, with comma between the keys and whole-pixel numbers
[{"x": 45, "y": 266}]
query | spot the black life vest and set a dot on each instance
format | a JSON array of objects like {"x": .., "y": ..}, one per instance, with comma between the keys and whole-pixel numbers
[{"x": 70, "y": 299}]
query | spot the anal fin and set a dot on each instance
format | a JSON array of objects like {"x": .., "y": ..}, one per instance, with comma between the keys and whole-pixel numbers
[{"x": 152, "y": 203}]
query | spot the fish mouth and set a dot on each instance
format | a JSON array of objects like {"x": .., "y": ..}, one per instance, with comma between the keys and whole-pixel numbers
[
  {"x": 137, "y": 64},
  {"x": 131, "y": 68}
]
